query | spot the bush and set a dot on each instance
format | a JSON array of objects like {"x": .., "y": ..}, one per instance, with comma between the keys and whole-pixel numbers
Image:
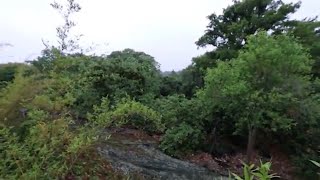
[
  {"x": 20, "y": 91},
  {"x": 184, "y": 121},
  {"x": 181, "y": 139},
  {"x": 124, "y": 73},
  {"x": 177, "y": 109},
  {"x": 127, "y": 112},
  {"x": 169, "y": 108},
  {"x": 47, "y": 150},
  {"x": 43, "y": 145}
]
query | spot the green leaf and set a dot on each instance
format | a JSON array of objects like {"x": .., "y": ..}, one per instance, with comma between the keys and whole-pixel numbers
[
  {"x": 315, "y": 163},
  {"x": 236, "y": 177}
]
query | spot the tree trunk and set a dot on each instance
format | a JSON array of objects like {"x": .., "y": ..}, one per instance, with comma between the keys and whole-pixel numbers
[
  {"x": 251, "y": 143},
  {"x": 214, "y": 138}
]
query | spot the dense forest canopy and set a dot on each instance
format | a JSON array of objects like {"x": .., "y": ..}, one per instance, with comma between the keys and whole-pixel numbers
[{"x": 257, "y": 91}]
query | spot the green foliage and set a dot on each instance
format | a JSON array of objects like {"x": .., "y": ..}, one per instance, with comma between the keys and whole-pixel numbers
[
  {"x": 43, "y": 146},
  {"x": 56, "y": 96},
  {"x": 192, "y": 79},
  {"x": 181, "y": 139},
  {"x": 245, "y": 18},
  {"x": 229, "y": 32},
  {"x": 261, "y": 172},
  {"x": 177, "y": 109},
  {"x": 254, "y": 83},
  {"x": 169, "y": 108},
  {"x": 44, "y": 63},
  {"x": 127, "y": 112},
  {"x": 12, "y": 97},
  {"x": 47, "y": 150},
  {"x": 101, "y": 113},
  {"x": 124, "y": 73},
  {"x": 267, "y": 88},
  {"x": 308, "y": 34},
  {"x": 250, "y": 80},
  {"x": 184, "y": 121},
  {"x": 138, "y": 115},
  {"x": 170, "y": 84},
  {"x": 71, "y": 81}
]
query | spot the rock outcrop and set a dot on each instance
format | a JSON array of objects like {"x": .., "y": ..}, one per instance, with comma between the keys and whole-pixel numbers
[{"x": 133, "y": 152}]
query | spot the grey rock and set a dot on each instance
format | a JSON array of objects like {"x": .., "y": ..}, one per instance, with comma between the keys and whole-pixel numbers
[{"x": 143, "y": 158}]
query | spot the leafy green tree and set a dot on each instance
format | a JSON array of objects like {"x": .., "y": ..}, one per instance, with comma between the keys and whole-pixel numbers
[
  {"x": 44, "y": 63},
  {"x": 228, "y": 32},
  {"x": 125, "y": 73},
  {"x": 67, "y": 44},
  {"x": 308, "y": 34},
  {"x": 267, "y": 88}
]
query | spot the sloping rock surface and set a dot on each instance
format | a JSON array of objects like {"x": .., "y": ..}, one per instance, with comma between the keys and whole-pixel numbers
[{"x": 133, "y": 152}]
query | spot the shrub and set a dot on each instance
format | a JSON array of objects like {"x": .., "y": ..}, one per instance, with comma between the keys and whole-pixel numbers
[
  {"x": 48, "y": 149},
  {"x": 12, "y": 97},
  {"x": 181, "y": 138},
  {"x": 127, "y": 112},
  {"x": 124, "y": 73},
  {"x": 177, "y": 109},
  {"x": 184, "y": 120},
  {"x": 169, "y": 108}
]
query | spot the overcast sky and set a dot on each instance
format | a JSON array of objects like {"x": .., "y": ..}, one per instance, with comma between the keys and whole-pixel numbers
[{"x": 165, "y": 29}]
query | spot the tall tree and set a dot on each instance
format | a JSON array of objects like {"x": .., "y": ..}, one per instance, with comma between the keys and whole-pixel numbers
[
  {"x": 67, "y": 44},
  {"x": 124, "y": 73},
  {"x": 267, "y": 88},
  {"x": 308, "y": 34},
  {"x": 228, "y": 32}
]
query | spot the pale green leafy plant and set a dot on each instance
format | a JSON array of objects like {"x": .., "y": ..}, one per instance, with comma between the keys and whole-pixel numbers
[{"x": 250, "y": 172}]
